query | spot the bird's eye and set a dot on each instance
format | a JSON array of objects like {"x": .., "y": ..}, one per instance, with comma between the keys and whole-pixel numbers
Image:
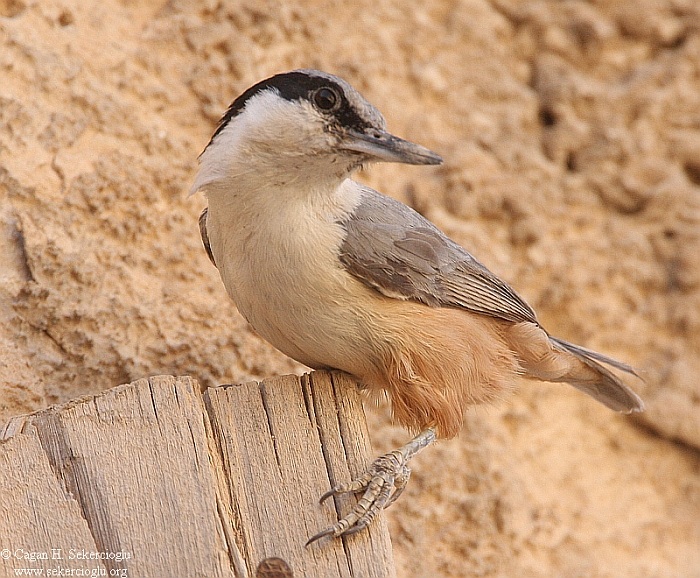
[{"x": 326, "y": 98}]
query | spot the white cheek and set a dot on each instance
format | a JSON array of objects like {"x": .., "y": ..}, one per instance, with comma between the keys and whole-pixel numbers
[{"x": 272, "y": 137}]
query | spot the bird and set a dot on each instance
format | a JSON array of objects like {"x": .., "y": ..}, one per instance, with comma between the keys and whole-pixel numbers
[{"x": 339, "y": 276}]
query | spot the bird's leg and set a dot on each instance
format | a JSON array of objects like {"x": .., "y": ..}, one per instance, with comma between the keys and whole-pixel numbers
[{"x": 383, "y": 482}]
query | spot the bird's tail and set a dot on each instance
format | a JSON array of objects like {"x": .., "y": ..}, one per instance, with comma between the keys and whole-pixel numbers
[{"x": 550, "y": 359}]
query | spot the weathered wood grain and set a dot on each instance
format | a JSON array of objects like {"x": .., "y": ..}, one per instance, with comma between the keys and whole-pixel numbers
[
  {"x": 281, "y": 451},
  {"x": 189, "y": 484},
  {"x": 36, "y": 513}
]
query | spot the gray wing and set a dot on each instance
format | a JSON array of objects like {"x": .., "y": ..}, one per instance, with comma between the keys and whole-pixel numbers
[
  {"x": 395, "y": 250},
  {"x": 205, "y": 235}
]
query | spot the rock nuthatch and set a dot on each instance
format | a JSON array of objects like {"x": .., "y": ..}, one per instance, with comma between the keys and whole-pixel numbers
[{"x": 337, "y": 275}]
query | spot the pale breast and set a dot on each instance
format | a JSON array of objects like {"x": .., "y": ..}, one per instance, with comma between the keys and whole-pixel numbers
[{"x": 286, "y": 279}]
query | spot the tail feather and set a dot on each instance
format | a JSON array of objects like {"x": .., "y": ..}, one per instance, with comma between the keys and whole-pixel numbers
[
  {"x": 580, "y": 351},
  {"x": 550, "y": 359},
  {"x": 608, "y": 389}
]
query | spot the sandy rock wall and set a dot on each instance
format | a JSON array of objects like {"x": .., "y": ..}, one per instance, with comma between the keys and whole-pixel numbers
[{"x": 571, "y": 133}]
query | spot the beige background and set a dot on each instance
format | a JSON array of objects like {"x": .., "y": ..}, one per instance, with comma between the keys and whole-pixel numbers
[{"x": 571, "y": 133}]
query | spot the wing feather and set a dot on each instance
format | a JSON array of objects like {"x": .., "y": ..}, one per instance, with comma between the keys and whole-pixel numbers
[
  {"x": 400, "y": 253},
  {"x": 205, "y": 235}
]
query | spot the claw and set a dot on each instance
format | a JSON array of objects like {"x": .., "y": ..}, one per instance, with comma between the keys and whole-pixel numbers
[
  {"x": 383, "y": 483},
  {"x": 315, "y": 537},
  {"x": 328, "y": 494}
]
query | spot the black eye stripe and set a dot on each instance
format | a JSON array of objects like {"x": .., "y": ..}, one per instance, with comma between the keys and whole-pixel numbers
[{"x": 295, "y": 85}]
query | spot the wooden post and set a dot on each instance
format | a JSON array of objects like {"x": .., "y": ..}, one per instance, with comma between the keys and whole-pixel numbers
[{"x": 155, "y": 479}]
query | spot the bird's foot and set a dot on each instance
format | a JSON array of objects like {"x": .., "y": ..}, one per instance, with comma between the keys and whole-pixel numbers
[{"x": 383, "y": 483}]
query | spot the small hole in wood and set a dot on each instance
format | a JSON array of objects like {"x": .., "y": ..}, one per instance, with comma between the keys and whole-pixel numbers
[{"x": 273, "y": 568}]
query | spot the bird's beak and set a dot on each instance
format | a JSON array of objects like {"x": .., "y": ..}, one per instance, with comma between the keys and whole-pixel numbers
[{"x": 383, "y": 146}]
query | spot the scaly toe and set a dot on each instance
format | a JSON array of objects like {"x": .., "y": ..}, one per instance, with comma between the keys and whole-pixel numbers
[
  {"x": 355, "y": 485},
  {"x": 384, "y": 481}
]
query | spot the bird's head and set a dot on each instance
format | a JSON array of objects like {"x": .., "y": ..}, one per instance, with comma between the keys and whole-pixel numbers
[{"x": 303, "y": 124}]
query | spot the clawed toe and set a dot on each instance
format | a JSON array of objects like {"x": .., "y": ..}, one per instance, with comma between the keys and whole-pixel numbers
[{"x": 382, "y": 484}]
